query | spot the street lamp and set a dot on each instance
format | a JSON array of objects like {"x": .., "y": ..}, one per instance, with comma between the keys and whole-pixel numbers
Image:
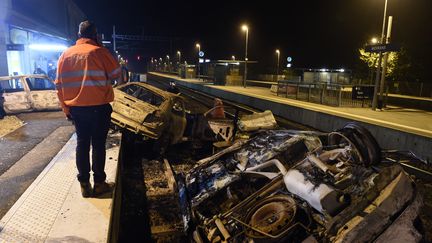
[
  {"x": 277, "y": 68},
  {"x": 246, "y": 29},
  {"x": 233, "y": 58},
  {"x": 179, "y": 56},
  {"x": 375, "y": 98},
  {"x": 198, "y": 65},
  {"x": 373, "y": 41},
  {"x": 168, "y": 62}
]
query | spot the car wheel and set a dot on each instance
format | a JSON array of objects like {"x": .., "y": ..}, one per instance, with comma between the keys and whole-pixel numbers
[{"x": 365, "y": 144}]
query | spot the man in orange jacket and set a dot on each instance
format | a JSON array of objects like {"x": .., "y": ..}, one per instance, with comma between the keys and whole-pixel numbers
[{"x": 84, "y": 75}]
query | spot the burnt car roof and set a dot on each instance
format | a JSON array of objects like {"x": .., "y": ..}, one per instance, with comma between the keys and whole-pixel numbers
[{"x": 154, "y": 89}]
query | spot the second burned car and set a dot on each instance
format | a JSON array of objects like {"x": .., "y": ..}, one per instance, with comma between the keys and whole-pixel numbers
[
  {"x": 25, "y": 93},
  {"x": 300, "y": 186},
  {"x": 146, "y": 110}
]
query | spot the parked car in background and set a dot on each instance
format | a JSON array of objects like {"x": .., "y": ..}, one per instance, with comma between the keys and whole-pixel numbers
[
  {"x": 34, "y": 92},
  {"x": 146, "y": 110}
]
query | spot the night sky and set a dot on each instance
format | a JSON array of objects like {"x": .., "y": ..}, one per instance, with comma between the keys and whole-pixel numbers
[{"x": 315, "y": 33}]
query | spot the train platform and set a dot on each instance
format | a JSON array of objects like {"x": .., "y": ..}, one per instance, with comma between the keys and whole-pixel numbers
[
  {"x": 394, "y": 127},
  {"x": 52, "y": 208}
]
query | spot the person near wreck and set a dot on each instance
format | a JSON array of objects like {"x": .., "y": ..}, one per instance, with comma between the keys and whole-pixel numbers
[
  {"x": 218, "y": 111},
  {"x": 85, "y": 74}
]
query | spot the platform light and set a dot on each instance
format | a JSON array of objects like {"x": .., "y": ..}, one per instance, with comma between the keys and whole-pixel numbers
[
  {"x": 341, "y": 70},
  {"x": 48, "y": 47}
]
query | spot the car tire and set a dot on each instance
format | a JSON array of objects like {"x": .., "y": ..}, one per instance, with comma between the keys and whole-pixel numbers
[{"x": 363, "y": 140}]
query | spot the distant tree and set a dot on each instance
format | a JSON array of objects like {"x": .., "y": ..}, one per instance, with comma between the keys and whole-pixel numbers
[
  {"x": 371, "y": 60},
  {"x": 405, "y": 69}
]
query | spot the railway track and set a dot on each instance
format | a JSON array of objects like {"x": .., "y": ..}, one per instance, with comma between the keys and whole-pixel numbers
[{"x": 231, "y": 108}]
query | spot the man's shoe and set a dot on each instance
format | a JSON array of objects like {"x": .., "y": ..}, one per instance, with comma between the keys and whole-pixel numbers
[
  {"x": 102, "y": 187},
  {"x": 86, "y": 190}
]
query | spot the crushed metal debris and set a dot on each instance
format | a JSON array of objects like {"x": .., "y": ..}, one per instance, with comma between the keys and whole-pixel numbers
[{"x": 9, "y": 124}]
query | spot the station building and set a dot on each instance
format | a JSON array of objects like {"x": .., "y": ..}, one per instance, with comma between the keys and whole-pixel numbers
[{"x": 34, "y": 33}]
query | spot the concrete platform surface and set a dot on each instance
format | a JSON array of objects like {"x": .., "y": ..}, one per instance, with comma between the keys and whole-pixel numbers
[
  {"x": 408, "y": 120},
  {"x": 52, "y": 208}
]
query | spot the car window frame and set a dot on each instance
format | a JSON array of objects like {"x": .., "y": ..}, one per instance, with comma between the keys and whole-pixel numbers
[{"x": 162, "y": 98}]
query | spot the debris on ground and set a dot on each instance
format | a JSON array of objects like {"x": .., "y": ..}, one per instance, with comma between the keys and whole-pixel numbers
[
  {"x": 257, "y": 121},
  {"x": 9, "y": 124},
  {"x": 263, "y": 183},
  {"x": 282, "y": 184}
]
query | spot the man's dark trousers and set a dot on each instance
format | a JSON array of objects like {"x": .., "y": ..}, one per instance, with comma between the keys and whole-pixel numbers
[{"x": 91, "y": 124}]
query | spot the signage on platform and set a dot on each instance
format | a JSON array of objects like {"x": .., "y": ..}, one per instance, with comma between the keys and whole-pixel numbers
[
  {"x": 362, "y": 92},
  {"x": 382, "y": 48}
]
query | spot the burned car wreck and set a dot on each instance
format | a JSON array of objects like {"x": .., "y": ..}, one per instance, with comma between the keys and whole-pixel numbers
[
  {"x": 295, "y": 186},
  {"x": 24, "y": 93},
  {"x": 146, "y": 110}
]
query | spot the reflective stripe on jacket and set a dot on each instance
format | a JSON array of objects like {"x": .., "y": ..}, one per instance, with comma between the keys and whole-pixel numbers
[{"x": 84, "y": 75}]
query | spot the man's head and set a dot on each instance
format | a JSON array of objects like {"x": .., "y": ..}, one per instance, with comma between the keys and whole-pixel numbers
[{"x": 87, "y": 29}]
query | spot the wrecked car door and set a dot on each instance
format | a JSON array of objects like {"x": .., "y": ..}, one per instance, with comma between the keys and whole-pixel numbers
[
  {"x": 128, "y": 102},
  {"x": 140, "y": 110},
  {"x": 42, "y": 95},
  {"x": 15, "y": 94}
]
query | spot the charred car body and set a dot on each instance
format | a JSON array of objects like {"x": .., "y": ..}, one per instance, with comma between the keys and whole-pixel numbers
[
  {"x": 146, "y": 110},
  {"x": 289, "y": 186},
  {"x": 161, "y": 115},
  {"x": 28, "y": 93}
]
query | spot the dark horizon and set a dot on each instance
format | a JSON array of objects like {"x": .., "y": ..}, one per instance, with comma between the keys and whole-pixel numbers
[{"x": 316, "y": 34}]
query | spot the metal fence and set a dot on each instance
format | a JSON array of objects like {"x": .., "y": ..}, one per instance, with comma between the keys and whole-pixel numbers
[
  {"x": 322, "y": 93},
  {"x": 411, "y": 88}
]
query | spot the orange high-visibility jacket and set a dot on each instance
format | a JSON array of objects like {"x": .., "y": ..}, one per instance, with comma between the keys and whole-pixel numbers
[{"x": 84, "y": 75}]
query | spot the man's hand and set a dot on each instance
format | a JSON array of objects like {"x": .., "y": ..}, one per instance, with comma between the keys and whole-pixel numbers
[{"x": 69, "y": 118}]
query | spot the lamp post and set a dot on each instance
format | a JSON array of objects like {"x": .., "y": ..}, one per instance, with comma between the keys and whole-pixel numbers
[
  {"x": 377, "y": 79},
  {"x": 384, "y": 66},
  {"x": 373, "y": 41},
  {"x": 179, "y": 56},
  {"x": 198, "y": 64},
  {"x": 168, "y": 62},
  {"x": 233, "y": 58},
  {"x": 178, "y": 61},
  {"x": 277, "y": 66},
  {"x": 246, "y": 29}
]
